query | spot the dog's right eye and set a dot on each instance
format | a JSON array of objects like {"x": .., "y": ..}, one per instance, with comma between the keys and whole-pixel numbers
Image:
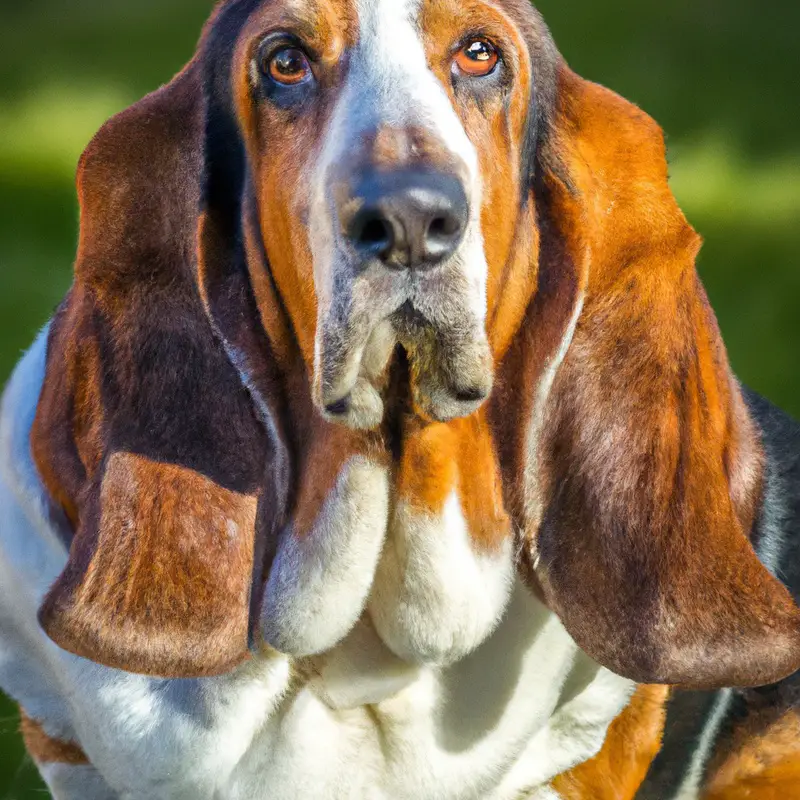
[
  {"x": 288, "y": 66},
  {"x": 477, "y": 59}
]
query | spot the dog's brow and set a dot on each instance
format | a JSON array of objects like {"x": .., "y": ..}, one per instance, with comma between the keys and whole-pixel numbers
[
  {"x": 312, "y": 19},
  {"x": 392, "y": 83}
]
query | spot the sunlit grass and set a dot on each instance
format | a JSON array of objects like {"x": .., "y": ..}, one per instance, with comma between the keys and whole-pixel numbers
[
  {"x": 44, "y": 133},
  {"x": 714, "y": 179}
]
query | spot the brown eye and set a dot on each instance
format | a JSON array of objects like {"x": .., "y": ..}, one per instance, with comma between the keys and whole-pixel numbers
[
  {"x": 477, "y": 59},
  {"x": 288, "y": 66}
]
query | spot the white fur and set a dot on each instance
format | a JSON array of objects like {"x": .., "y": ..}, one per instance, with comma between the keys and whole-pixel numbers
[
  {"x": 435, "y": 599},
  {"x": 576, "y": 730},
  {"x": 75, "y": 780},
  {"x": 534, "y": 505},
  {"x": 357, "y": 722},
  {"x": 319, "y": 583},
  {"x": 546, "y": 793},
  {"x": 361, "y": 671},
  {"x": 402, "y": 89},
  {"x": 31, "y": 555}
]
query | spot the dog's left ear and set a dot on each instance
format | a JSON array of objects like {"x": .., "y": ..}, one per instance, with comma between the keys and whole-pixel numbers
[
  {"x": 145, "y": 434},
  {"x": 649, "y": 468}
]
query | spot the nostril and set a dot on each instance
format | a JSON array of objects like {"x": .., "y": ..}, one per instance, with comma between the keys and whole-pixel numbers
[
  {"x": 441, "y": 237},
  {"x": 444, "y": 227},
  {"x": 375, "y": 231},
  {"x": 372, "y": 233}
]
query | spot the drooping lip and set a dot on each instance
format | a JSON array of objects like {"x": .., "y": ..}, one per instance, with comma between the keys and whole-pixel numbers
[
  {"x": 437, "y": 316},
  {"x": 449, "y": 375}
]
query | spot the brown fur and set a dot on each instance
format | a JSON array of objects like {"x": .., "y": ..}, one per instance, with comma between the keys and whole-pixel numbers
[
  {"x": 330, "y": 27},
  {"x": 497, "y": 128},
  {"x": 632, "y": 743},
  {"x": 44, "y": 749},
  {"x": 648, "y": 465},
  {"x": 169, "y": 542},
  {"x": 135, "y": 377},
  {"x": 439, "y": 459},
  {"x": 762, "y": 765}
]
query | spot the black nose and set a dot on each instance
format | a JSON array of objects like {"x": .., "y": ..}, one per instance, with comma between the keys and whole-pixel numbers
[{"x": 407, "y": 219}]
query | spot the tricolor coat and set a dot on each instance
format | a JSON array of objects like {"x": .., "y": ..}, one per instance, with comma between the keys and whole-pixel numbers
[{"x": 386, "y": 446}]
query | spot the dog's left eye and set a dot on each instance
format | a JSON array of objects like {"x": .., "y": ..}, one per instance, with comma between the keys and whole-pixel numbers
[
  {"x": 288, "y": 66},
  {"x": 477, "y": 59}
]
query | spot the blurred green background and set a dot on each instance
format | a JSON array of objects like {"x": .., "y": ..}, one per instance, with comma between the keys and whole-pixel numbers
[{"x": 720, "y": 75}]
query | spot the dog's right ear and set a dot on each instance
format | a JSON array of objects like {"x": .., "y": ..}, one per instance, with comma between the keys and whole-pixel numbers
[
  {"x": 145, "y": 435},
  {"x": 649, "y": 469}
]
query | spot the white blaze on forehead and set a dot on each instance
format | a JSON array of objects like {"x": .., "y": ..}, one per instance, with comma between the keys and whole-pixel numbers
[
  {"x": 391, "y": 83},
  {"x": 403, "y": 88}
]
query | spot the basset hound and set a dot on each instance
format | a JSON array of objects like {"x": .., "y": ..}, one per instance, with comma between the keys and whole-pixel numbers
[{"x": 386, "y": 446}]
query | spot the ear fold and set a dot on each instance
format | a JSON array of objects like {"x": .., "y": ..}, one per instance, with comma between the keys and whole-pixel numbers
[
  {"x": 649, "y": 463},
  {"x": 144, "y": 433}
]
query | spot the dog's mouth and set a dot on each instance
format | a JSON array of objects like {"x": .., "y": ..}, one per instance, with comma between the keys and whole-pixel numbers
[
  {"x": 448, "y": 367},
  {"x": 366, "y": 308}
]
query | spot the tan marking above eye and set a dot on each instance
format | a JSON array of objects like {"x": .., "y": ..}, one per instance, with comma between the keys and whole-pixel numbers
[
  {"x": 477, "y": 58},
  {"x": 288, "y": 66}
]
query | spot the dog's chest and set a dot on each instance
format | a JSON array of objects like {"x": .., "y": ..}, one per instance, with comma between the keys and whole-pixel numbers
[
  {"x": 523, "y": 708},
  {"x": 361, "y": 724}
]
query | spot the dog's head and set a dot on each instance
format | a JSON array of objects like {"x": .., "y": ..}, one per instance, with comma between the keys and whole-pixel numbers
[
  {"x": 337, "y": 191},
  {"x": 388, "y": 146}
]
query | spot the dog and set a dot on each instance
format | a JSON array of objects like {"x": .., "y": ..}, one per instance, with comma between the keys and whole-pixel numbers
[{"x": 385, "y": 445}]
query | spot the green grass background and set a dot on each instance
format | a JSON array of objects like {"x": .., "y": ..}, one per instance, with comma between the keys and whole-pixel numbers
[{"x": 720, "y": 75}]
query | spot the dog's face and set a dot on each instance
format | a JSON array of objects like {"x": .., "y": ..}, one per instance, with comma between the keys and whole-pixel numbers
[
  {"x": 333, "y": 187},
  {"x": 388, "y": 139}
]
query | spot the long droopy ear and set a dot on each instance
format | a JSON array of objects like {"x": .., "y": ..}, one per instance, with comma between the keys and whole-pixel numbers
[
  {"x": 145, "y": 435},
  {"x": 648, "y": 465}
]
